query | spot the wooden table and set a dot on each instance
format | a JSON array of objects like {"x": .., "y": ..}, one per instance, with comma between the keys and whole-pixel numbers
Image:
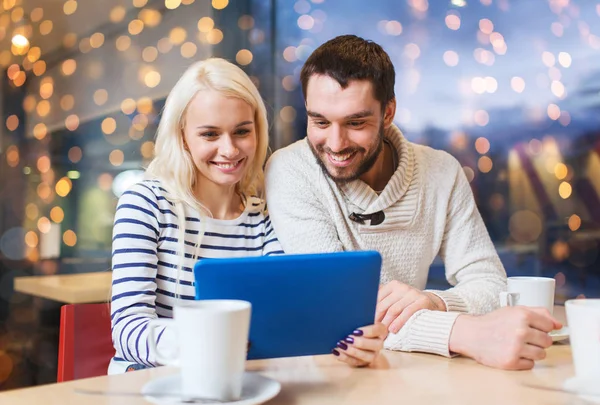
[
  {"x": 397, "y": 378},
  {"x": 68, "y": 288}
]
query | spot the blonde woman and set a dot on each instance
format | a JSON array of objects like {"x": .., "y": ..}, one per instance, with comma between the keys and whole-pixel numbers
[{"x": 201, "y": 200}]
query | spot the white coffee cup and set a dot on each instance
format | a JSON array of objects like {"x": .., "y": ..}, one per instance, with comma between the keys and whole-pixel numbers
[
  {"x": 583, "y": 317},
  {"x": 529, "y": 292},
  {"x": 212, "y": 339}
]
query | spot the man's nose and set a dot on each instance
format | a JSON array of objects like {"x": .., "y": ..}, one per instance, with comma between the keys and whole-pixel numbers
[{"x": 336, "y": 140}]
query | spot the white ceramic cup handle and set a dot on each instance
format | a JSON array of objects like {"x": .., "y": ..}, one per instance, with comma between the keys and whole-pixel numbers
[
  {"x": 160, "y": 358},
  {"x": 508, "y": 299}
]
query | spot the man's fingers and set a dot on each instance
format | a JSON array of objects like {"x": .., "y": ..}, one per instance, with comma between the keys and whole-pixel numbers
[
  {"x": 401, "y": 320},
  {"x": 395, "y": 310},
  {"x": 384, "y": 305},
  {"x": 524, "y": 364},
  {"x": 538, "y": 338},
  {"x": 533, "y": 352},
  {"x": 540, "y": 318},
  {"x": 384, "y": 291}
]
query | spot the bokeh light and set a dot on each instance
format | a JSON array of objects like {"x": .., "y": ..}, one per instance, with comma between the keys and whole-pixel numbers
[
  {"x": 220, "y": 4},
  {"x": 451, "y": 58},
  {"x": 525, "y": 226},
  {"x": 149, "y": 54},
  {"x": 188, "y": 50},
  {"x": 56, "y": 215},
  {"x": 128, "y": 106},
  {"x": 109, "y": 125},
  {"x": 117, "y": 14},
  {"x": 67, "y": 102},
  {"x": 453, "y": 22},
  {"x": 69, "y": 238},
  {"x": 565, "y": 190},
  {"x": 75, "y": 154},
  {"x": 484, "y": 164},
  {"x": 72, "y": 122},
  {"x": 561, "y": 171},
  {"x": 32, "y": 211},
  {"x": 44, "y": 225},
  {"x": 214, "y": 36},
  {"x": 116, "y": 157},
  {"x": 574, "y": 222},
  {"x": 482, "y": 145},
  {"x": 205, "y": 24},
  {"x": 147, "y": 149},
  {"x": 12, "y": 122},
  {"x": 100, "y": 97},
  {"x": 243, "y": 57},
  {"x": 64, "y": 186}
]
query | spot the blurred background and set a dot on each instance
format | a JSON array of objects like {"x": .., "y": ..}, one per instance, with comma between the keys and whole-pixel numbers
[{"x": 511, "y": 88}]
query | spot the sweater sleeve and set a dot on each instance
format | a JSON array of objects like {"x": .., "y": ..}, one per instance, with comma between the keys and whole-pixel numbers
[
  {"x": 470, "y": 258},
  {"x": 134, "y": 262},
  {"x": 473, "y": 268},
  {"x": 300, "y": 220}
]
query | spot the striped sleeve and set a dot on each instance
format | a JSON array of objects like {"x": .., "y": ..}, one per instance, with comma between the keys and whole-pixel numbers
[
  {"x": 271, "y": 245},
  {"x": 134, "y": 263}
]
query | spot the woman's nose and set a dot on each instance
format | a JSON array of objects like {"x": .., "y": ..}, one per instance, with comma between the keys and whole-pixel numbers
[{"x": 228, "y": 149}]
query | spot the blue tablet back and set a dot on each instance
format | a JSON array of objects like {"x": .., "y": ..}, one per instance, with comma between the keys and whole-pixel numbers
[{"x": 301, "y": 304}]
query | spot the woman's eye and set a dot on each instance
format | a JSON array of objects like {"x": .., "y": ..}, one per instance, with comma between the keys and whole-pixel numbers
[
  {"x": 209, "y": 134},
  {"x": 243, "y": 132}
]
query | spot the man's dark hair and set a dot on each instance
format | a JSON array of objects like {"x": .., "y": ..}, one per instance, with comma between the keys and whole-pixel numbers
[{"x": 349, "y": 57}]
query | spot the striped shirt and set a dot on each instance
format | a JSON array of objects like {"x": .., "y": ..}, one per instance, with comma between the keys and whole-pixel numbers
[{"x": 145, "y": 261}]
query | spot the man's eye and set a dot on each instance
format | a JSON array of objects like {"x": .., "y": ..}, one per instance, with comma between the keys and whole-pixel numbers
[{"x": 356, "y": 123}]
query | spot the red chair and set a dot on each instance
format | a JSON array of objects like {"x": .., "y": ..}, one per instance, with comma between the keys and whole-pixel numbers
[{"x": 85, "y": 344}]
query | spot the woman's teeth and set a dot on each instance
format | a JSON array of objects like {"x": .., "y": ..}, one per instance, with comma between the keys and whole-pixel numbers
[{"x": 228, "y": 165}]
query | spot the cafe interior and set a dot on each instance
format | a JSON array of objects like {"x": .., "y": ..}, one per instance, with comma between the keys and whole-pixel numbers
[{"x": 510, "y": 88}]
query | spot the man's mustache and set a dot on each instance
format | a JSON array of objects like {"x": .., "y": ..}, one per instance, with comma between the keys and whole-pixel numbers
[{"x": 346, "y": 151}]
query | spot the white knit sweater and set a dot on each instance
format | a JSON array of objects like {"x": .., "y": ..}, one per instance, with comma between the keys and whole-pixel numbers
[{"x": 429, "y": 210}]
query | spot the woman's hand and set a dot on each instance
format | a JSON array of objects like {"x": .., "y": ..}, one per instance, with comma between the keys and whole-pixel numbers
[{"x": 362, "y": 347}]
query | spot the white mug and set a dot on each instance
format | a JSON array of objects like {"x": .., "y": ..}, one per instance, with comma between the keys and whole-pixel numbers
[
  {"x": 212, "y": 337},
  {"x": 583, "y": 317},
  {"x": 529, "y": 292}
]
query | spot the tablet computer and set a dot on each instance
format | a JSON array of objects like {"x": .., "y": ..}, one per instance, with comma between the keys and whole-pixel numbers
[{"x": 301, "y": 304}]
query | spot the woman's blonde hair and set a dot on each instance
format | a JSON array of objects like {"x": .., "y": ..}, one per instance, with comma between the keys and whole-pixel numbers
[{"x": 173, "y": 165}]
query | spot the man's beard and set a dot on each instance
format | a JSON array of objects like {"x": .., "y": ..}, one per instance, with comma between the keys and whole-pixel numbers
[{"x": 364, "y": 166}]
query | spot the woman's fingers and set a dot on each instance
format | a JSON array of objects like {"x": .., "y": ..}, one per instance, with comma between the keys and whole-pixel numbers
[
  {"x": 354, "y": 356},
  {"x": 372, "y": 331},
  {"x": 362, "y": 347}
]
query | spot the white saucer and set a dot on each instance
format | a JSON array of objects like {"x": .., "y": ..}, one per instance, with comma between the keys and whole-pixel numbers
[
  {"x": 256, "y": 389},
  {"x": 586, "y": 389},
  {"x": 561, "y": 334}
]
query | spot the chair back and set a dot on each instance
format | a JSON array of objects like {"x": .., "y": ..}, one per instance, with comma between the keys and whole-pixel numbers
[{"x": 85, "y": 342}]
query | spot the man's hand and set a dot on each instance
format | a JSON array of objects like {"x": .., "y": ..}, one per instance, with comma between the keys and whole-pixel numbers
[
  {"x": 397, "y": 302},
  {"x": 511, "y": 338}
]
